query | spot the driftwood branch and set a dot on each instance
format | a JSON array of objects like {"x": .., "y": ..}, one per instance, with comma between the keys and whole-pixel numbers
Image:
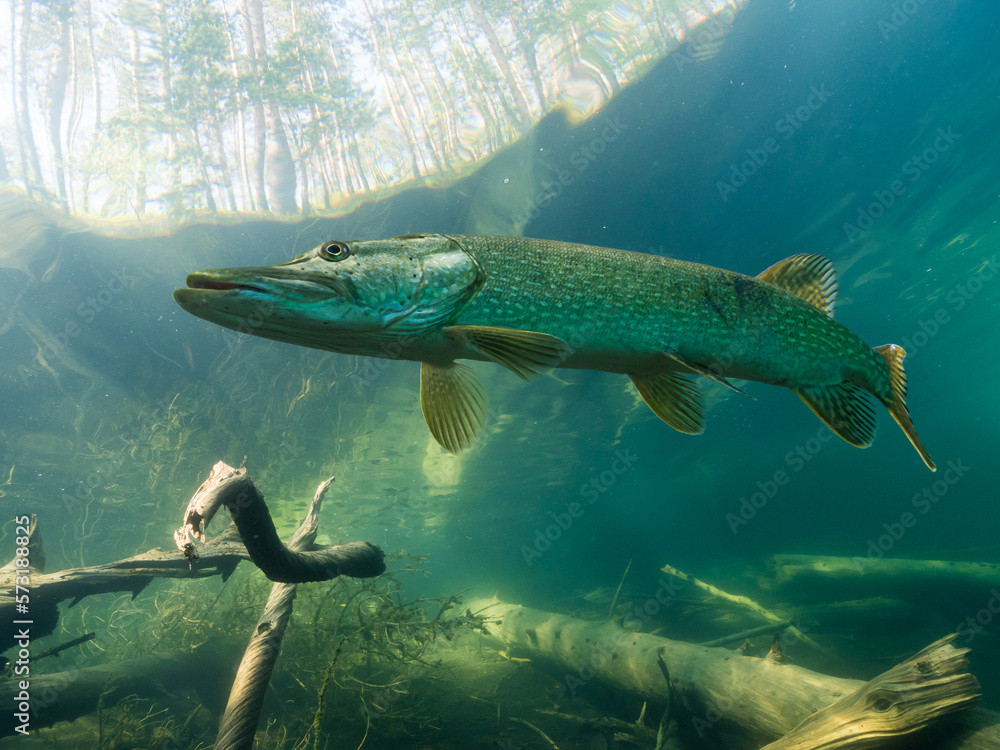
[
  {"x": 234, "y": 489},
  {"x": 748, "y": 603},
  {"x": 132, "y": 574},
  {"x": 239, "y": 723},
  {"x": 259, "y": 544}
]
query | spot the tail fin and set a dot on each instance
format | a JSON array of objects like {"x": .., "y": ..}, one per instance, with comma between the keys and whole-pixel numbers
[{"x": 893, "y": 356}]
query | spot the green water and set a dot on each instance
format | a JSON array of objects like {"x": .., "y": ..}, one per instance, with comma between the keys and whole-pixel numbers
[{"x": 115, "y": 404}]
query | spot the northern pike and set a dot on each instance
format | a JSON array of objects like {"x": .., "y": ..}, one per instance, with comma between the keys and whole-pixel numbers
[{"x": 533, "y": 305}]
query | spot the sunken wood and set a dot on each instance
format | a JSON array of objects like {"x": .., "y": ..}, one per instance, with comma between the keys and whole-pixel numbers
[
  {"x": 909, "y": 697},
  {"x": 239, "y": 723},
  {"x": 825, "y": 578},
  {"x": 234, "y": 489},
  {"x": 720, "y": 692}
]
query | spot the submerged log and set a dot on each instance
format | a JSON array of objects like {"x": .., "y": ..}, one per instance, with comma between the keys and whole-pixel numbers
[
  {"x": 820, "y": 577},
  {"x": 720, "y": 691},
  {"x": 75, "y": 692},
  {"x": 909, "y": 697}
]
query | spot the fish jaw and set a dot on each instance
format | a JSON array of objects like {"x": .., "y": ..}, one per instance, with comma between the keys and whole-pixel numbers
[
  {"x": 284, "y": 309},
  {"x": 383, "y": 292}
]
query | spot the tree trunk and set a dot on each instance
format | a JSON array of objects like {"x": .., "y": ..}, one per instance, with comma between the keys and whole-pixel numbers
[
  {"x": 253, "y": 10},
  {"x": 4, "y": 172},
  {"x": 500, "y": 57},
  {"x": 418, "y": 115},
  {"x": 826, "y": 578},
  {"x": 397, "y": 107},
  {"x": 758, "y": 699},
  {"x": 280, "y": 165},
  {"x": 275, "y": 167},
  {"x": 95, "y": 81},
  {"x": 526, "y": 42},
  {"x": 56, "y": 95},
  {"x": 29, "y": 154},
  {"x": 240, "y": 130},
  {"x": 227, "y": 178}
]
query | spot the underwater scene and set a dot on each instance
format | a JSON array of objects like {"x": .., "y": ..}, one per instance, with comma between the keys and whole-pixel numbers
[{"x": 504, "y": 374}]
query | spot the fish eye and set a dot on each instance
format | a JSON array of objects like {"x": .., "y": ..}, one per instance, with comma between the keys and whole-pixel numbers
[{"x": 334, "y": 251}]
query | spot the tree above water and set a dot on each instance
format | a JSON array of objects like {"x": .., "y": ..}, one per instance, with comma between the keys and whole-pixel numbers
[{"x": 158, "y": 111}]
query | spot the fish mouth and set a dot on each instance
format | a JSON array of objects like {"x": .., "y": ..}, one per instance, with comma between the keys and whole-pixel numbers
[
  {"x": 206, "y": 283},
  {"x": 212, "y": 298},
  {"x": 234, "y": 292}
]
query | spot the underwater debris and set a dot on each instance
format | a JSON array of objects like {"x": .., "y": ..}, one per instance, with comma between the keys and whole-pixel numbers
[
  {"x": 218, "y": 557},
  {"x": 239, "y": 723},
  {"x": 234, "y": 489},
  {"x": 758, "y": 699}
]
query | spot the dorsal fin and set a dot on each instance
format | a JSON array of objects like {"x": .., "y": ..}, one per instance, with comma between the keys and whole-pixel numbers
[{"x": 811, "y": 277}]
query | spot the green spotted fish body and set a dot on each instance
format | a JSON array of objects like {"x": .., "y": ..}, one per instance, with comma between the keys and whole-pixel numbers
[{"x": 533, "y": 305}]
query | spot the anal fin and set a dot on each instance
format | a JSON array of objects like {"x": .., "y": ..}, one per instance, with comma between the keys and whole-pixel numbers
[
  {"x": 453, "y": 403},
  {"x": 526, "y": 353},
  {"x": 675, "y": 399},
  {"x": 845, "y": 408}
]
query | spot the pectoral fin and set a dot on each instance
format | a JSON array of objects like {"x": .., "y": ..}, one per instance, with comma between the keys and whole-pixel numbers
[
  {"x": 845, "y": 408},
  {"x": 675, "y": 399},
  {"x": 526, "y": 353},
  {"x": 702, "y": 370},
  {"x": 453, "y": 403}
]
